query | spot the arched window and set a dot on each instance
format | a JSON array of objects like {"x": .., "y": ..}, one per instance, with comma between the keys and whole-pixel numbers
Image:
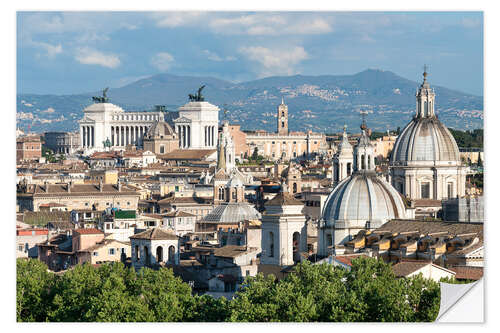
[
  {"x": 146, "y": 256},
  {"x": 294, "y": 187},
  {"x": 362, "y": 162},
  {"x": 171, "y": 254},
  {"x": 271, "y": 244},
  {"x": 369, "y": 162},
  {"x": 329, "y": 242},
  {"x": 159, "y": 254},
  {"x": 296, "y": 246},
  {"x": 426, "y": 110},
  {"x": 349, "y": 169},
  {"x": 137, "y": 253}
]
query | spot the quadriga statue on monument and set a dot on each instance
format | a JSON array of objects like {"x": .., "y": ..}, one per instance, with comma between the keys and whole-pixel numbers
[{"x": 198, "y": 97}]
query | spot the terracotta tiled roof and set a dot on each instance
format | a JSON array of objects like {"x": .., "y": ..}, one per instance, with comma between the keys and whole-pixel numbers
[
  {"x": 179, "y": 214},
  {"x": 347, "y": 260},
  {"x": 188, "y": 154},
  {"x": 79, "y": 189},
  {"x": 155, "y": 233},
  {"x": 88, "y": 231},
  {"x": 430, "y": 227},
  {"x": 103, "y": 155},
  {"x": 468, "y": 272},
  {"x": 405, "y": 268},
  {"x": 186, "y": 200},
  {"x": 232, "y": 251}
]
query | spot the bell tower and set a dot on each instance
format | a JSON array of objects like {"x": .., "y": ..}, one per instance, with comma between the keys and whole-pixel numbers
[
  {"x": 425, "y": 98},
  {"x": 282, "y": 118}
]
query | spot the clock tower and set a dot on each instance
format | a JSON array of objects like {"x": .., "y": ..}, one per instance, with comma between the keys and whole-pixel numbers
[{"x": 282, "y": 118}]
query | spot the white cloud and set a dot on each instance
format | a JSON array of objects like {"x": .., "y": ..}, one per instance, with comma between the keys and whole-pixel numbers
[
  {"x": 275, "y": 61},
  {"x": 50, "y": 50},
  {"x": 215, "y": 57},
  {"x": 163, "y": 61},
  {"x": 272, "y": 24},
  {"x": 177, "y": 19},
  {"x": 231, "y": 23},
  {"x": 471, "y": 22},
  {"x": 90, "y": 56}
]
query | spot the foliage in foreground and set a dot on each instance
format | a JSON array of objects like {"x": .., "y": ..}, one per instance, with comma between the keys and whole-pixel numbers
[{"x": 369, "y": 292}]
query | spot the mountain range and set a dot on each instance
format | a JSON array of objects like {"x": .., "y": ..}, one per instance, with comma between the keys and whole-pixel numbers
[{"x": 319, "y": 103}]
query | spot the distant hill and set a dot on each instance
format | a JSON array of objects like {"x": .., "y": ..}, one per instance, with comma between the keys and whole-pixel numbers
[{"x": 320, "y": 103}]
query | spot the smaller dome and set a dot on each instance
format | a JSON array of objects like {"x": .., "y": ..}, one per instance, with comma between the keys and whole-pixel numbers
[
  {"x": 159, "y": 130},
  {"x": 363, "y": 197},
  {"x": 232, "y": 213}
]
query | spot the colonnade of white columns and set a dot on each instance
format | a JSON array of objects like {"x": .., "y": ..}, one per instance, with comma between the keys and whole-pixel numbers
[
  {"x": 125, "y": 135},
  {"x": 88, "y": 136},
  {"x": 209, "y": 135},
  {"x": 184, "y": 132}
]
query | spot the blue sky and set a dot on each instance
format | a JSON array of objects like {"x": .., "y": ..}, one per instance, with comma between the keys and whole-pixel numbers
[{"x": 75, "y": 52}]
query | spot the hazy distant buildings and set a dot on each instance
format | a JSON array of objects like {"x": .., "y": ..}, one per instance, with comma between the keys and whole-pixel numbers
[
  {"x": 284, "y": 144},
  {"x": 62, "y": 142}
]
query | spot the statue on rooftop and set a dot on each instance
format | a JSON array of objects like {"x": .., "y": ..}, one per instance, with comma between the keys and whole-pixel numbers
[
  {"x": 103, "y": 99},
  {"x": 197, "y": 97}
]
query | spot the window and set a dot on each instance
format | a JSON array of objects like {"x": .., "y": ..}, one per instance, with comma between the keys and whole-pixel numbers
[
  {"x": 95, "y": 254},
  {"x": 425, "y": 190},
  {"x": 295, "y": 142},
  {"x": 128, "y": 203},
  {"x": 271, "y": 244},
  {"x": 450, "y": 190},
  {"x": 273, "y": 142},
  {"x": 112, "y": 252},
  {"x": 20, "y": 247},
  {"x": 162, "y": 149},
  {"x": 86, "y": 204}
]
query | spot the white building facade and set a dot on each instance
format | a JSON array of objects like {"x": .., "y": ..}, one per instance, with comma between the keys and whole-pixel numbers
[
  {"x": 197, "y": 125},
  {"x": 108, "y": 122}
]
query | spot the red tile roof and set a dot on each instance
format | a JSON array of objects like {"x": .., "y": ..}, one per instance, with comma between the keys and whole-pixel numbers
[
  {"x": 468, "y": 272},
  {"x": 88, "y": 231}
]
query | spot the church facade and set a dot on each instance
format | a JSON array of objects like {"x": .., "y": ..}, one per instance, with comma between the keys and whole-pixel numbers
[
  {"x": 425, "y": 162},
  {"x": 283, "y": 144}
]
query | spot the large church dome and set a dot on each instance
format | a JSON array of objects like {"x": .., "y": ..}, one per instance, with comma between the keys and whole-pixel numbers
[
  {"x": 425, "y": 138},
  {"x": 363, "y": 197}
]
